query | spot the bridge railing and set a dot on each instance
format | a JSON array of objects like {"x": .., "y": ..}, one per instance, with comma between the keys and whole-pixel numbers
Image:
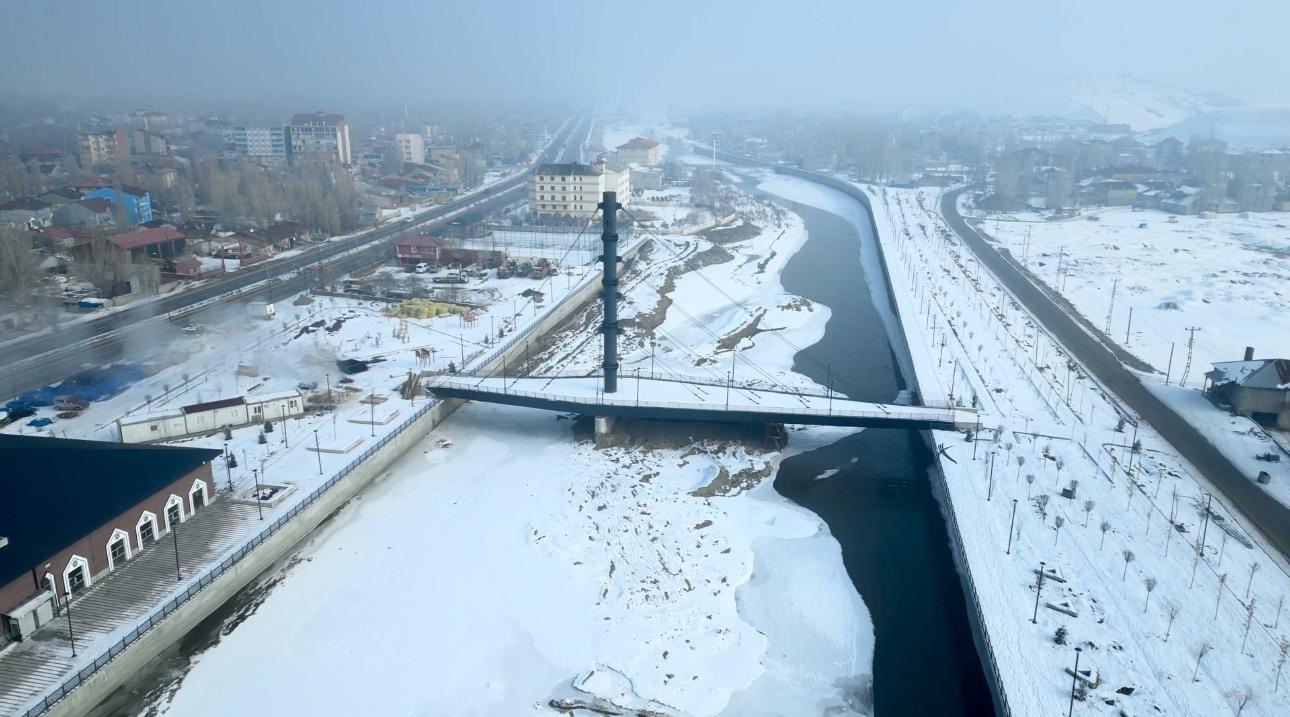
[{"x": 881, "y": 411}]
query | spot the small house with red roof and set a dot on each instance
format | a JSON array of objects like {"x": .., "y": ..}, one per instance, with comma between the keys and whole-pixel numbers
[{"x": 639, "y": 150}]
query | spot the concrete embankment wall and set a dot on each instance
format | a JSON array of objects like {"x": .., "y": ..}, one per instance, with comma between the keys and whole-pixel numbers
[
  {"x": 133, "y": 658},
  {"x": 915, "y": 366}
]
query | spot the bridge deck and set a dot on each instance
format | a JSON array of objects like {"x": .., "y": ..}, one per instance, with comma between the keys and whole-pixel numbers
[{"x": 696, "y": 401}]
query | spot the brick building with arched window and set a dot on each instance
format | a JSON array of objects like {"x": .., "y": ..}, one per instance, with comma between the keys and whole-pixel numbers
[{"x": 72, "y": 510}]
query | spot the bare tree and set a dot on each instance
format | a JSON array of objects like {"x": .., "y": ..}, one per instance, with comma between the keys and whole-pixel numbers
[
  {"x": 1173, "y": 613},
  {"x": 1205, "y": 647},
  {"x": 1242, "y": 697},
  {"x": 1021, "y": 461},
  {"x": 1128, "y": 558},
  {"x": 1058, "y": 522},
  {"x": 1088, "y": 509},
  {"x": 1030, "y": 480},
  {"x": 1249, "y": 619},
  {"x": 1283, "y": 645},
  {"x": 19, "y": 263},
  {"x": 1222, "y": 583},
  {"x": 1254, "y": 568},
  {"x": 1150, "y": 584},
  {"x": 1105, "y": 527}
]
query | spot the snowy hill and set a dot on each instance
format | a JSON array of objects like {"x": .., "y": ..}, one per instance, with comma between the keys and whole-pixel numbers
[{"x": 1142, "y": 104}]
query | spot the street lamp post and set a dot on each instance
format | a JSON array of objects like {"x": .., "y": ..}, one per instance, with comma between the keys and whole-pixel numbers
[
  {"x": 1074, "y": 680},
  {"x": 255, "y": 472},
  {"x": 318, "y": 451},
  {"x": 71, "y": 636},
  {"x": 1011, "y": 523},
  {"x": 1039, "y": 588},
  {"x": 174, "y": 539}
]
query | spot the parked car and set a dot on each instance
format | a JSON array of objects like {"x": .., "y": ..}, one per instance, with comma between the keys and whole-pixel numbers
[
  {"x": 307, "y": 385},
  {"x": 70, "y": 403},
  {"x": 421, "y": 268},
  {"x": 450, "y": 278}
]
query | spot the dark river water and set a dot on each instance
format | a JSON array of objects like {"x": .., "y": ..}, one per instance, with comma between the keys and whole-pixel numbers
[{"x": 879, "y": 504}]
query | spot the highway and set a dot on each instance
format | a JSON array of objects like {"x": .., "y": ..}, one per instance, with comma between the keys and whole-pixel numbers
[
  {"x": 1269, "y": 516},
  {"x": 50, "y": 357}
]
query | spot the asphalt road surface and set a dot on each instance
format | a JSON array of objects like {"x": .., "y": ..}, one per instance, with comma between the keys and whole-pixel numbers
[
  {"x": 1272, "y": 518},
  {"x": 50, "y": 357}
]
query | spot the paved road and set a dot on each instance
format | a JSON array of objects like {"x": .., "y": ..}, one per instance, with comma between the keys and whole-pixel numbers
[
  {"x": 1272, "y": 518},
  {"x": 47, "y": 358}
]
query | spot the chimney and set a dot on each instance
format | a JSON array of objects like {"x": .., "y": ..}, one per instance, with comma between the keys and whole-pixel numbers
[{"x": 1249, "y": 353}]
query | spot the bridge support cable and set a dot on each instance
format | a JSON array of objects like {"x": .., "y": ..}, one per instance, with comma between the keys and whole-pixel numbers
[{"x": 743, "y": 307}]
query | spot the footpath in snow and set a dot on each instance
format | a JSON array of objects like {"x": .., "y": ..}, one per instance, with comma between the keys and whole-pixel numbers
[{"x": 1176, "y": 609}]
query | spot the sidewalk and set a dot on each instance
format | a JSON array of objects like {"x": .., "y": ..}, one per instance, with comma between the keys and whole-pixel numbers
[{"x": 116, "y": 602}]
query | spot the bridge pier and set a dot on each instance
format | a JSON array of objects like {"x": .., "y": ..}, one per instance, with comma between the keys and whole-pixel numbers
[{"x": 604, "y": 425}]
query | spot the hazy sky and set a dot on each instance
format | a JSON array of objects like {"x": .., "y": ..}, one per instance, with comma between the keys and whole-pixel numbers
[{"x": 657, "y": 54}]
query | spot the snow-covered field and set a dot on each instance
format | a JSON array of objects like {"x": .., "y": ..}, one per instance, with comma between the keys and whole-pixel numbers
[
  {"x": 493, "y": 571},
  {"x": 1226, "y": 274},
  {"x": 1164, "y": 631}
]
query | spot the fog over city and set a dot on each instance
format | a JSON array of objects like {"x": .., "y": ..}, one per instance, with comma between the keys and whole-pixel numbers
[{"x": 1004, "y": 55}]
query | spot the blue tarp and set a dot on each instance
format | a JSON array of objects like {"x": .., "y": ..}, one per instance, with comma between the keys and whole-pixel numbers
[{"x": 93, "y": 384}]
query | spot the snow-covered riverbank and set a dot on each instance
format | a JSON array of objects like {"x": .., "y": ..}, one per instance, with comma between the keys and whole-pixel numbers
[{"x": 490, "y": 572}]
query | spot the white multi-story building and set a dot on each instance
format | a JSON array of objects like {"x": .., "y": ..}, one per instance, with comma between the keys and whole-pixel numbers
[
  {"x": 271, "y": 143},
  {"x": 320, "y": 135},
  {"x": 575, "y": 189},
  {"x": 412, "y": 148},
  {"x": 104, "y": 147}
]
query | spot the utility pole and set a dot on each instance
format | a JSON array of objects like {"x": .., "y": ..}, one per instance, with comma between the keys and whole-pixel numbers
[
  {"x": 1110, "y": 309},
  {"x": 1170, "y": 366},
  {"x": 318, "y": 451},
  {"x": 1128, "y": 327},
  {"x": 1191, "y": 342}
]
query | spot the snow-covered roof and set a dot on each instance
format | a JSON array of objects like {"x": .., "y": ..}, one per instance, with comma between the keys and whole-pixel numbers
[
  {"x": 1261, "y": 373},
  {"x": 275, "y": 396},
  {"x": 150, "y": 417}
]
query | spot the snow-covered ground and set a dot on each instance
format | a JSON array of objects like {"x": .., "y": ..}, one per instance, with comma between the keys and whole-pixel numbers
[
  {"x": 1117, "y": 566},
  {"x": 490, "y": 572},
  {"x": 1226, "y": 274}
]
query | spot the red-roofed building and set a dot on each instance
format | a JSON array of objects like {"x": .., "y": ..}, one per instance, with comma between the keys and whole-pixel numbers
[
  {"x": 161, "y": 242},
  {"x": 639, "y": 150},
  {"x": 412, "y": 250}
]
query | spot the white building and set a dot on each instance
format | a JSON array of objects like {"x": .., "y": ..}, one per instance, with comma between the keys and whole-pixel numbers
[
  {"x": 412, "y": 148},
  {"x": 211, "y": 416},
  {"x": 575, "y": 189},
  {"x": 320, "y": 136},
  {"x": 265, "y": 143}
]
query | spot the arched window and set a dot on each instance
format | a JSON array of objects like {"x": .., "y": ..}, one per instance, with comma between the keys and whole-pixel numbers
[
  {"x": 174, "y": 511},
  {"x": 197, "y": 497},
  {"x": 146, "y": 528},
  {"x": 118, "y": 548},
  {"x": 76, "y": 576}
]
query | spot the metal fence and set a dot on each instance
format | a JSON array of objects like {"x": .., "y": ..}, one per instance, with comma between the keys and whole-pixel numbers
[{"x": 157, "y": 616}]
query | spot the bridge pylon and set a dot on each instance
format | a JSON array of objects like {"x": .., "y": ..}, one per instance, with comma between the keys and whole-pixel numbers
[{"x": 609, "y": 207}]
